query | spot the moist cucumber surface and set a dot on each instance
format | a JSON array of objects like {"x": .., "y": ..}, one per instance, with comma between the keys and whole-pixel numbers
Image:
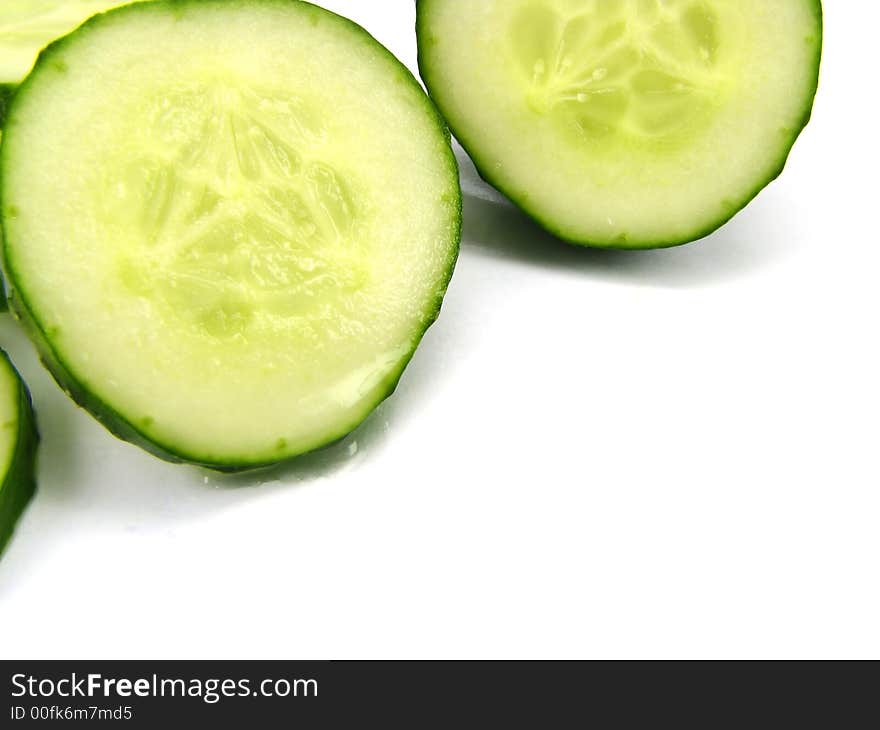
[
  {"x": 18, "y": 449},
  {"x": 624, "y": 123},
  {"x": 228, "y": 224}
]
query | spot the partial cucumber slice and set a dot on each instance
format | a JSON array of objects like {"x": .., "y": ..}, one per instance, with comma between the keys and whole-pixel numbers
[
  {"x": 18, "y": 449},
  {"x": 28, "y": 26},
  {"x": 228, "y": 224},
  {"x": 624, "y": 123}
]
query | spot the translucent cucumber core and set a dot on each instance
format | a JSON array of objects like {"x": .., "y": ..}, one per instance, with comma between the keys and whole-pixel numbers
[
  {"x": 645, "y": 69},
  {"x": 234, "y": 223}
]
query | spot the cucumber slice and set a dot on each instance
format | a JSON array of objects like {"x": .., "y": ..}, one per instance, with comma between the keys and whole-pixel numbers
[
  {"x": 624, "y": 123},
  {"x": 228, "y": 224},
  {"x": 18, "y": 449}
]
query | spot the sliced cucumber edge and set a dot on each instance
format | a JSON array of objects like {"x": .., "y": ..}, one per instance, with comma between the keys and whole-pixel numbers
[
  {"x": 124, "y": 430},
  {"x": 520, "y": 199},
  {"x": 19, "y": 482}
]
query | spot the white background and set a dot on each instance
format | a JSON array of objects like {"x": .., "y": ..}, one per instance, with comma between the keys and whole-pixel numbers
[{"x": 593, "y": 454}]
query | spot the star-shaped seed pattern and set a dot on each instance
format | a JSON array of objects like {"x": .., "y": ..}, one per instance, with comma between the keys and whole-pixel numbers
[
  {"x": 235, "y": 215},
  {"x": 642, "y": 67}
]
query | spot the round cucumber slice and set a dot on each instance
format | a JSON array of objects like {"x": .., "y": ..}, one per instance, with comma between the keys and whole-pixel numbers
[
  {"x": 18, "y": 449},
  {"x": 228, "y": 224},
  {"x": 624, "y": 123}
]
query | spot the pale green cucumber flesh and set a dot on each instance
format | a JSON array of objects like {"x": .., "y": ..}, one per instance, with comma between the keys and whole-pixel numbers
[
  {"x": 624, "y": 123},
  {"x": 18, "y": 448},
  {"x": 28, "y": 26},
  {"x": 227, "y": 224}
]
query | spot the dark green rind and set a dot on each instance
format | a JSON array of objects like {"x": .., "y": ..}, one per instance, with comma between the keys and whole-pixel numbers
[
  {"x": 4, "y": 301},
  {"x": 19, "y": 482},
  {"x": 112, "y": 420},
  {"x": 6, "y": 92},
  {"x": 520, "y": 198}
]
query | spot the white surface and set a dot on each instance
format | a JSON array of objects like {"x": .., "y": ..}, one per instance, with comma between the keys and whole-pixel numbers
[{"x": 667, "y": 454}]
